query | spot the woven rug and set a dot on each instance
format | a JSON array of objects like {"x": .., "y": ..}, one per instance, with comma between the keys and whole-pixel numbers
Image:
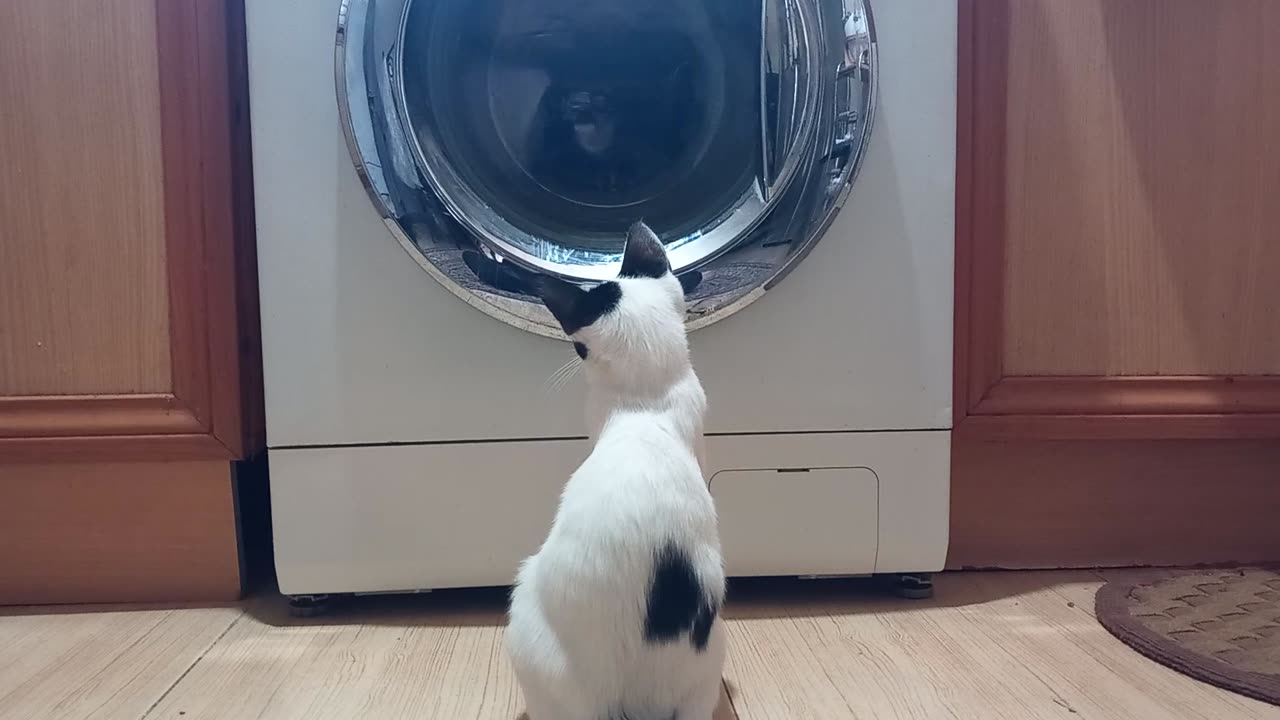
[{"x": 1219, "y": 626}]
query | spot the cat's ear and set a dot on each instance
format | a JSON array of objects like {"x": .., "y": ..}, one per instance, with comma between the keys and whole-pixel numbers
[
  {"x": 644, "y": 256},
  {"x": 573, "y": 307}
]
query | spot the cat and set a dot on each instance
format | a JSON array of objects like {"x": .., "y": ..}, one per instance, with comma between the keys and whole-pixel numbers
[{"x": 617, "y": 616}]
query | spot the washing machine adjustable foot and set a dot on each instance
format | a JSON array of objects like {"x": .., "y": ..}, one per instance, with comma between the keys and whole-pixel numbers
[
  {"x": 305, "y": 606},
  {"x": 913, "y": 586}
]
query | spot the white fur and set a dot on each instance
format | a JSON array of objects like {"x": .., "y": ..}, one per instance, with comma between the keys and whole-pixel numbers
[{"x": 575, "y": 634}]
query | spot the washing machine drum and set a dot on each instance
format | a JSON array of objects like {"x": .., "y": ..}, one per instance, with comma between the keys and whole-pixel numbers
[{"x": 501, "y": 139}]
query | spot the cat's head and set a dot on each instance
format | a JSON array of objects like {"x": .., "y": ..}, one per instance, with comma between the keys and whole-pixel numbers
[{"x": 630, "y": 331}]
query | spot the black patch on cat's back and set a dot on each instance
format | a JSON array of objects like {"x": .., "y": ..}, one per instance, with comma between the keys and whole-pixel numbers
[
  {"x": 677, "y": 602},
  {"x": 701, "y": 633}
]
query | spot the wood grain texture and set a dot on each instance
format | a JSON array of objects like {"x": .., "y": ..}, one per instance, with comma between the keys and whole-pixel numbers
[
  {"x": 1058, "y": 426},
  {"x": 445, "y": 662},
  {"x": 118, "y": 532},
  {"x": 69, "y": 415},
  {"x": 236, "y": 343},
  {"x": 1113, "y": 503},
  {"x": 980, "y": 136},
  {"x": 1141, "y": 171},
  {"x": 209, "y": 218},
  {"x": 1113, "y": 248},
  {"x": 164, "y": 448},
  {"x": 990, "y": 646},
  {"x": 177, "y": 79},
  {"x": 106, "y": 665},
  {"x": 1090, "y": 674},
  {"x": 438, "y": 656},
  {"x": 1150, "y": 395},
  {"x": 83, "y": 289}
]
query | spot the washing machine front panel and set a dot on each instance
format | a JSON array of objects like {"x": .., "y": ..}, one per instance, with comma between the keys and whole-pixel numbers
[
  {"x": 859, "y": 336},
  {"x": 501, "y": 140},
  {"x": 360, "y": 347}
]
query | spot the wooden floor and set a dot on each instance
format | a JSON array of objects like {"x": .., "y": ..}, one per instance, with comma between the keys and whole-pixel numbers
[{"x": 1021, "y": 646}]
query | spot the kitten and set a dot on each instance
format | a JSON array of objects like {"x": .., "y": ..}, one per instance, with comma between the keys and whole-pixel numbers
[{"x": 616, "y": 616}]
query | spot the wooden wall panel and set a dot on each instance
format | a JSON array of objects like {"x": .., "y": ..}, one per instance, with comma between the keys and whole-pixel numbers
[
  {"x": 83, "y": 282},
  {"x": 1142, "y": 171},
  {"x": 128, "y": 296},
  {"x": 1116, "y": 223},
  {"x": 1117, "y": 376},
  {"x": 129, "y": 357},
  {"x": 1114, "y": 503},
  {"x": 118, "y": 532}
]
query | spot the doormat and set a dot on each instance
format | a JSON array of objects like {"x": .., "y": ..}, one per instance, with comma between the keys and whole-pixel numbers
[{"x": 1218, "y": 626}]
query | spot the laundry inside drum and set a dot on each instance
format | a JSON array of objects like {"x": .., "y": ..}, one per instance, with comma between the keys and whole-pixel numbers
[{"x": 570, "y": 121}]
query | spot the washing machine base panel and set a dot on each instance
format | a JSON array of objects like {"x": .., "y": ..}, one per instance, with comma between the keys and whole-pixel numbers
[{"x": 405, "y": 518}]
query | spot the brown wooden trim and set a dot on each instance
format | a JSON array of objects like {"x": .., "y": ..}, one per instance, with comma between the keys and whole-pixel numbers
[
  {"x": 250, "y": 432},
  {"x": 208, "y": 215},
  {"x": 965, "y": 80},
  {"x": 1246, "y": 426},
  {"x": 181, "y": 85},
  {"x": 980, "y": 177},
  {"x": 228, "y": 216},
  {"x": 71, "y": 415},
  {"x": 79, "y": 532},
  {"x": 1145, "y": 395},
  {"x": 1113, "y": 502},
  {"x": 1083, "y": 408},
  {"x": 96, "y": 448}
]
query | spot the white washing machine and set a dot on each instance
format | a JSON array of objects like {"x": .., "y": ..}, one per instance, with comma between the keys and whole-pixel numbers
[{"x": 416, "y": 160}]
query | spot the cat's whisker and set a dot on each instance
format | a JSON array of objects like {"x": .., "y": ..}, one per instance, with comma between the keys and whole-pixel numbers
[
  {"x": 561, "y": 376},
  {"x": 567, "y": 375},
  {"x": 563, "y": 368}
]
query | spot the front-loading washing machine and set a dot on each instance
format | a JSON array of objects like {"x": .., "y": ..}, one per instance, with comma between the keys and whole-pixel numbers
[{"x": 417, "y": 161}]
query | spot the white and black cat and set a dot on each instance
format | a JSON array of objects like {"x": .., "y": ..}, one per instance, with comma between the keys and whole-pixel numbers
[{"x": 617, "y": 615}]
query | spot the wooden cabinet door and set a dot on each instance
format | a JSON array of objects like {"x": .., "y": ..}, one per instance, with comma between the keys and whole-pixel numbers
[
  {"x": 1119, "y": 222},
  {"x": 127, "y": 302},
  {"x": 1117, "y": 386}
]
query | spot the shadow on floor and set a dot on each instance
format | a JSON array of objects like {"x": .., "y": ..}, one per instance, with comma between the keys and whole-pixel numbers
[{"x": 753, "y": 598}]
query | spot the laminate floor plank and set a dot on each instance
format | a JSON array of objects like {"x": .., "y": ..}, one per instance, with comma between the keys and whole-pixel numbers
[
  {"x": 989, "y": 646},
  {"x": 61, "y": 665}
]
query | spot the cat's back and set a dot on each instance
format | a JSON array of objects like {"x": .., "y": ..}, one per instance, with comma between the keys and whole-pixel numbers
[{"x": 639, "y": 471}]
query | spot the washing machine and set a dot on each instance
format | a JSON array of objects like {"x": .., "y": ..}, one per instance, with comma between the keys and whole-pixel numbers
[{"x": 417, "y": 161}]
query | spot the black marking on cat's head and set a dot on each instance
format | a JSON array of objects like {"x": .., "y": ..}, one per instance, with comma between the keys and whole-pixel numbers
[
  {"x": 677, "y": 602},
  {"x": 644, "y": 256},
  {"x": 575, "y": 307},
  {"x": 581, "y": 349}
]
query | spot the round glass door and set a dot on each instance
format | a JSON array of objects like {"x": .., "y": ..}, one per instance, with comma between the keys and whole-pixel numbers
[{"x": 501, "y": 138}]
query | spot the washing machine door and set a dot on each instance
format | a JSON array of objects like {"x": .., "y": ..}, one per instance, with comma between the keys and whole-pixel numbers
[{"x": 504, "y": 138}]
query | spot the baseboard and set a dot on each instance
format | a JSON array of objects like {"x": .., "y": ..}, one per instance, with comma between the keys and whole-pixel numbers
[
  {"x": 1113, "y": 503},
  {"x": 118, "y": 532}
]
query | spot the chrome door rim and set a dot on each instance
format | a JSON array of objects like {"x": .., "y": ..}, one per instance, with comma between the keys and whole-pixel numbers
[{"x": 842, "y": 123}]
